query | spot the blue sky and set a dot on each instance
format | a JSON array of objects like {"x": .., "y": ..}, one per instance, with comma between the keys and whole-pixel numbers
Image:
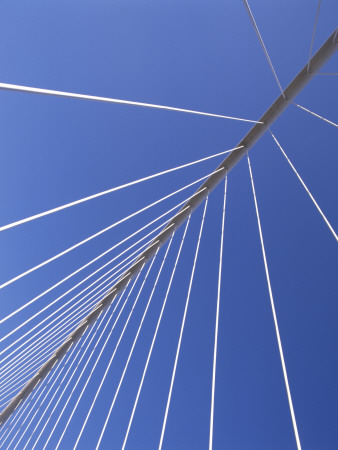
[{"x": 197, "y": 55}]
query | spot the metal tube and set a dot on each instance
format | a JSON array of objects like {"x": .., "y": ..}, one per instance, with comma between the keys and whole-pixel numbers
[{"x": 296, "y": 85}]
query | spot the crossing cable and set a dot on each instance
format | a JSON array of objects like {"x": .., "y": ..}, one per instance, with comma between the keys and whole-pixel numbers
[
  {"x": 305, "y": 187},
  {"x": 316, "y": 115},
  {"x": 78, "y": 379},
  {"x": 155, "y": 334},
  {"x": 28, "y": 402},
  {"x": 182, "y": 327},
  {"x": 281, "y": 354},
  {"x": 94, "y": 332},
  {"x": 211, "y": 432},
  {"x": 38, "y": 360},
  {"x": 313, "y": 34},
  {"x": 134, "y": 343},
  {"x": 73, "y": 319},
  {"x": 33, "y": 90},
  {"x": 273, "y": 112},
  {"x": 52, "y": 385},
  {"x": 47, "y": 381},
  {"x": 52, "y": 336},
  {"x": 73, "y": 322},
  {"x": 110, "y": 332},
  {"x": 246, "y": 4},
  {"x": 87, "y": 381},
  {"x": 114, "y": 352},
  {"x": 78, "y": 284},
  {"x": 114, "y": 189},
  {"x": 102, "y": 348},
  {"x": 92, "y": 261},
  {"x": 65, "y": 333},
  {"x": 84, "y": 241},
  {"x": 5, "y": 428}
]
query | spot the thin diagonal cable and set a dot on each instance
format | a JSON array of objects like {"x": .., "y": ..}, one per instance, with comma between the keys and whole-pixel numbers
[
  {"x": 155, "y": 335},
  {"x": 313, "y": 34},
  {"x": 41, "y": 357},
  {"x": 107, "y": 338},
  {"x": 113, "y": 355},
  {"x": 12, "y": 423},
  {"x": 33, "y": 90},
  {"x": 262, "y": 44},
  {"x": 36, "y": 391},
  {"x": 89, "y": 263},
  {"x": 78, "y": 244},
  {"x": 35, "y": 403},
  {"x": 99, "y": 324},
  {"x": 51, "y": 387},
  {"x": 56, "y": 344},
  {"x": 49, "y": 336},
  {"x": 102, "y": 292},
  {"x": 73, "y": 322},
  {"x": 78, "y": 284},
  {"x": 316, "y": 115},
  {"x": 281, "y": 354},
  {"x": 114, "y": 189},
  {"x": 182, "y": 328},
  {"x": 88, "y": 378},
  {"x": 212, "y": 409},
  {"x": 74, "y": 387},
  {"x": 81, "y": 350},
  {"x": 134, "y": 343},
  {"x": 306, "y": 188},
  {"x": 137, "y": 252},
  {"x": 93, "y": 300}
]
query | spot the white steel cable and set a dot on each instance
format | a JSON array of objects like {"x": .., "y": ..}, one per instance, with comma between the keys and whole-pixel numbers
[
  {"x": 50, "y": 335},
  {"x": 78, "y": 244},
  {"x": 262, "y": 44},
  {"x": 182, "y": 328},
  {"x": 10, "y": 429},
  {"x": 316, "y": 115},
  {"x": 87, "y": 335},
  {"x": 78, "y": 284},
  {"x": 113, "y": 355},
  {"x": 89, "y": 263},
  {"x": 212, "y": 408},
  {"x": 98, "y": 324},
  {"x": 35, "y": 403},
  {"x": 134, "y": 343},
  {"x": 110, "y": 318},
  {"x": 281, "y": 354},
  {"x": 313, "y": 34},
  {"x": 28, "y": 367},
  {"x": 71, "y": 323},
  {"x": 76, "y": 383},
  {"x": 33, "y": 90},
  {"x": 108, "y": 191},
  {"x": 306, "y": 188},
  {"x": 93, "y": 300},
  {"x": 10, "y": 424},
  {"x": 73, "y": 319},
  {"x": 56, "y": 344},
  {"x": 92, "y": 370},
  {"x": 155, "y": 335}
]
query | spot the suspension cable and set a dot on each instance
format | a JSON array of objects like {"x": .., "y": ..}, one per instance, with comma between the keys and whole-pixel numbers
[
  {"x": 281, "y": 354},
  {"x": 182, "y": 327}
]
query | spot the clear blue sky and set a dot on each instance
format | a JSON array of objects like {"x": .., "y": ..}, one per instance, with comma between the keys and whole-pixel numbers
[{"x": 201, "y": 55}]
